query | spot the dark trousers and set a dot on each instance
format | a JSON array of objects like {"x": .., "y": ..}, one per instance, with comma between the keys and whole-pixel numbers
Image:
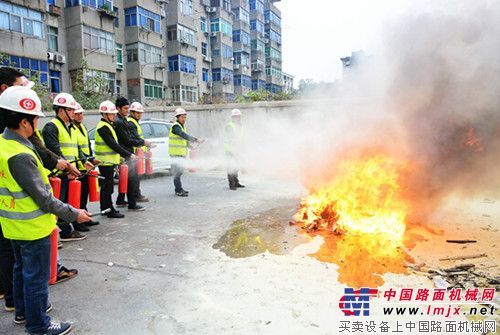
[
  {"x": 6, "y": 268},
  {"x": 107, "y": 185},
  {"x": 232, "y": 171},
  {"x": 177, "y": 171},
  {"x": 132, "y": 187},
  {"x": 31, "y": 282},
  {"x": 85, "y": 191},
  {"x": 65, "y": 227}
]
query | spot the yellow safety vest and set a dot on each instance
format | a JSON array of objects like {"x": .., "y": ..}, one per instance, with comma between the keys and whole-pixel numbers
[
  {"x": 68, "y": 141},
  {"x": 139, "y": 131},
  {"x": 83, "y": 142},
  {"x": 177, "y": 146},
  {"x": 37, "y": 132},
  {"x": 229, "y": 142},
  {"x": 102, "y": 151},
  {"x": 21, "y": 218}
]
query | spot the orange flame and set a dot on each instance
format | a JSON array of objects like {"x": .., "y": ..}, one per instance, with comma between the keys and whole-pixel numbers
[{"x": 362, "y": 198}]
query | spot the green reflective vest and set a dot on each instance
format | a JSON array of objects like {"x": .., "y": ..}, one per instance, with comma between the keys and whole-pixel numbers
[
  {"x": 83, "y": 142},
  {"x": 21, "y": 218},
  {"x": 177, "y": 146},
  {"x": 68, "y": 141},
  {"x": 231, "y": 137},
  {"x": 102, "y": 151},
  {"x": 139, "y": 131}
]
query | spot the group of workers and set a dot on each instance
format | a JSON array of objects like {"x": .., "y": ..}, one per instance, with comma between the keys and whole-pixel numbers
[{"x": 28, "y": 208}]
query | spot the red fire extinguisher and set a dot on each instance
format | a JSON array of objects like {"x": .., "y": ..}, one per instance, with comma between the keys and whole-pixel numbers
[
  {"x": 55, "y": 183},
  {"x": 74, "y": 193},
  {"x": 53, "y": 255},
  {"x": 140, "y": 161},
  {"x": 123, "y": 178},
  {"x": 93, "y": 186},
  {"x": 149, "y": 163}
]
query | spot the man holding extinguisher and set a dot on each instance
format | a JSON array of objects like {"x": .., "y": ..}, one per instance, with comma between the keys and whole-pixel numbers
[{"x": 109, "y": 151}]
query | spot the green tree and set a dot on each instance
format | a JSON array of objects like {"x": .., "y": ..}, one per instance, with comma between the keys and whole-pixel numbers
[{"x": 90, "y": 87}]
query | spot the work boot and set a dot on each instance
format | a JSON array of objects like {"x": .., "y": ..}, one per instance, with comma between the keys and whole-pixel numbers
[
  {"x": 182, "y": 193},
  {"x": 65, "y": 274},
  {"x": 80, "y": 227},
  {"x": 91, "y": 223},
  {"x": 115, "y": 215},
  {"x": 183, "y": 190},
  {"x": 239, "y": 185},
  {"x": 137, "y": 208},
  {"x": 232, "y": 188},
  {"x": 73, "y": 236}
]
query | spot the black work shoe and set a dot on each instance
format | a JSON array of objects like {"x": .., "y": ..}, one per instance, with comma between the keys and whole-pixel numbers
[
  {"x": 137, "y": 208},
  {"x": 91, "y": 223},
  {"x": 116, "y": 215},
  {"x": 9, "y": 308},
  {"x": 239, "y": 185},
  {"x": 56, "y": 328},
  {"x": 65, "y": 274},
  {"x": 183, "y": 190},
  {"x": 20, "y": 319},
  {"x": 181, "y": 194},
  {"x": 80, "y": 227},
  {"x": 142, "y": 199},
  {"x": 233, "y": 188},
  {"x": 73, "y": 236},
  {"x": 122, "y": 204}
]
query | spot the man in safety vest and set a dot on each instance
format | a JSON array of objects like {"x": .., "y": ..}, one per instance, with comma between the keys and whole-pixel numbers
[
  {"x": 84, "y": 146},
  {"x": 27, "y": 209},
  {"x": 178, "y": 149},
  {"x": 232, "y": 139},
  {"x": 108, "y": 151},
  {"x": 136, "y": 110},
  {"x": 61, "y": 138}
]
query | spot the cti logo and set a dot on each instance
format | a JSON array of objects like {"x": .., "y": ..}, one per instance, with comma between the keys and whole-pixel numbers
[{"x": 353, "y": 302}]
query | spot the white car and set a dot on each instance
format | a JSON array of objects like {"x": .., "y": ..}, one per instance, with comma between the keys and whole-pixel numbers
[{"x": 156, "y": 131}]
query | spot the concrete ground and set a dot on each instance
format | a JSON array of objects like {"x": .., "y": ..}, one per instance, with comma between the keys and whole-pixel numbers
[{"x": 157, "y": 272}]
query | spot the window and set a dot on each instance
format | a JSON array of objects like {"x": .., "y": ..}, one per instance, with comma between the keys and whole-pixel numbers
[
  {"x": 222, "y": 74},
  {"x": 184, "y": 93},
  {"x": 153, "y": 89},
  {"x": 204, "y": 75},
  {"x": 257, "y": 65},
  {"x": 227, "y": 51},
  {"x": 187, "y": 7},
  {"x": 140, "y": 17},
  {"x": 270, "y": 16},
  {"x": 204, "y": 49},
  {"x": 242, "y": 58},
  {"x": 274, "y": 88},
  {"x": 118, "y": 87},
  {"x": 273, "y": 53},
  {"x": 258, "y": 84},
  {"x": 241, "y": 14},
  {"x": 258, "y": 45},
  {"x": 160, "y": 129},
  {"x": 203, "y": 24},
  {"x": 107, "y": 76},
  {"x": 55, "y": 81},
  {"x": 257, "y": 5},
  {"x": 257, "y": 25},
  {"x": 21, "y": 19},
  {"x": 242, "y": 80},
  {"x": 182, "y": 34},
  {"x": 273, "y": 72},
  {"x": 180, "y": 63},
  {"x": 29, "y": 66},
  {"x": 119, "y": 56},
  {"x": 105, "y": 4},
  {"x": 144, "y": 53},
  {"x": 98, "y": 40},
  {"x": 53, "y": 40},
  {"x": 221, "y": 25},
  {"x": 241, "y": 36},
  {"x": 273, "y": 35}
]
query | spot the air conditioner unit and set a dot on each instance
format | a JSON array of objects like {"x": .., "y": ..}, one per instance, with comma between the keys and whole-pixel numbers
[
  {"x": 207, "y": 59},
  {"x": 51, "y": 56},
  {"x": 266, "y": 40},
  {"x": 210, "y": 9},
  {"x": 60, "y": 59},
  {"x": 184, "y": 40}
]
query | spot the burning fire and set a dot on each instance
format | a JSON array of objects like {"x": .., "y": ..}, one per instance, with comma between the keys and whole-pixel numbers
[{"x": 364, "y": 197}]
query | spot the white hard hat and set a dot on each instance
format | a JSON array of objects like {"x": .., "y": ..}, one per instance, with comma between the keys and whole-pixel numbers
[
  {"x": 64, "y": 100},
  {"x": 235, "y": 112},
  {"x": 180, "y": 111},
  {"x": 27, "y": 83},
  {"x": 21, "y": 99},
  {"x": 136, "y": 107},
  {"x": 107, "y": 107},
  {"x": 79, "y": 109}
]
